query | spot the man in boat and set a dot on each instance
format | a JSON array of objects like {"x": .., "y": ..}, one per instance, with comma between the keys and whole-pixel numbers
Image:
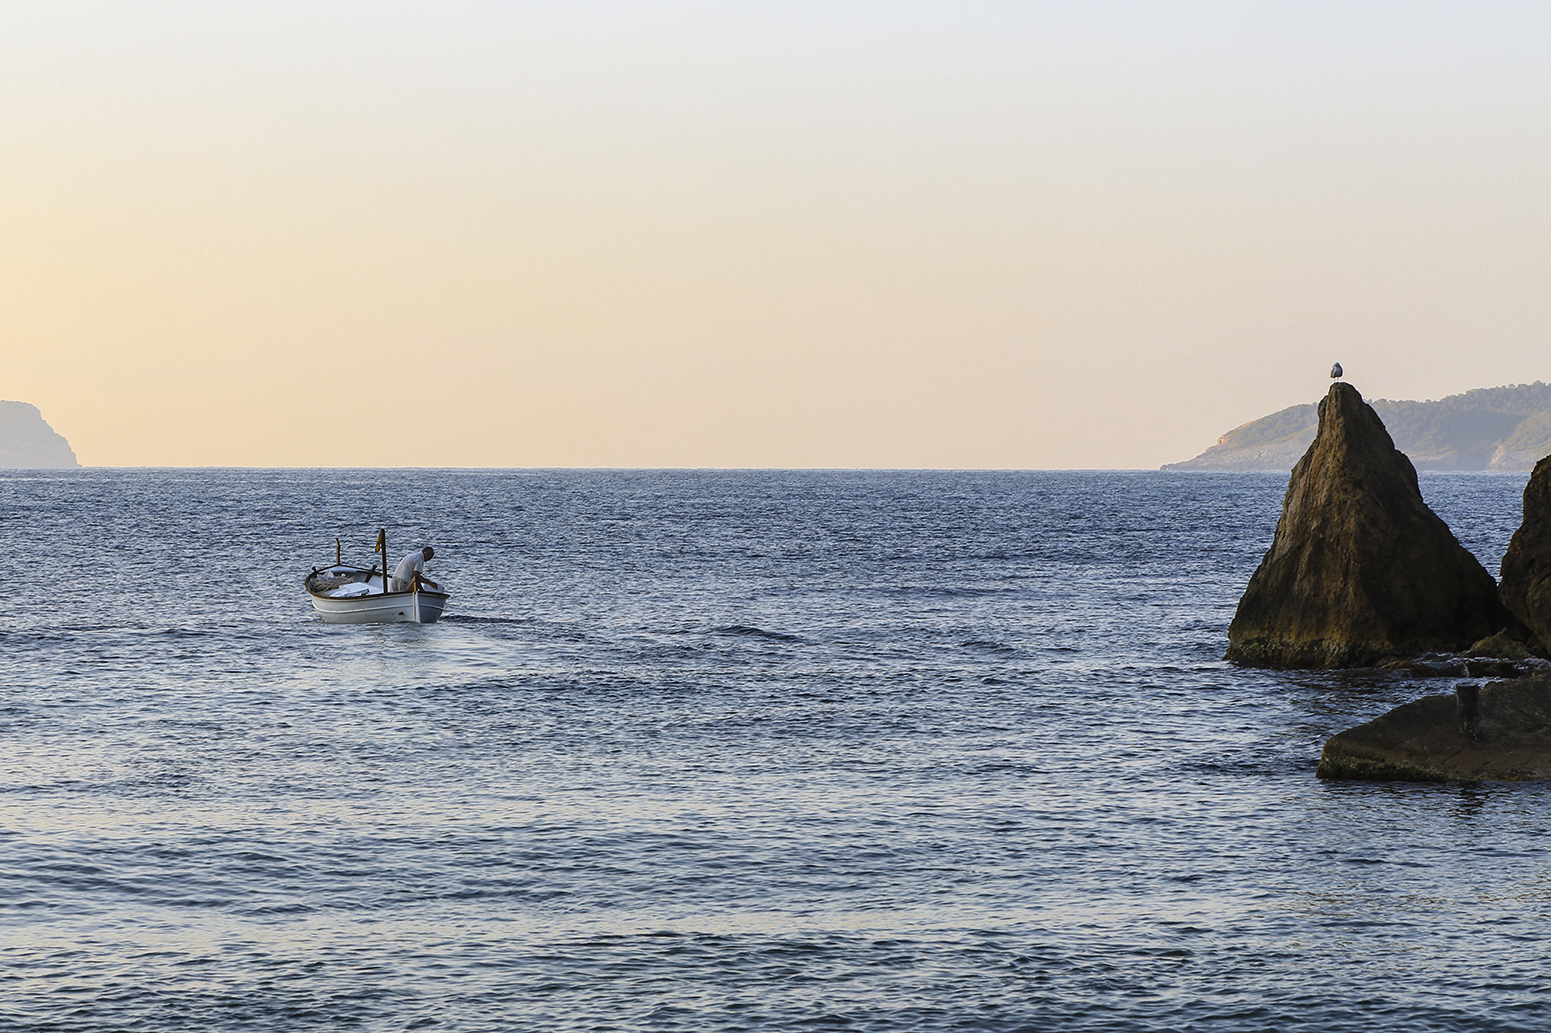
[{"x": 413, "y": 566}]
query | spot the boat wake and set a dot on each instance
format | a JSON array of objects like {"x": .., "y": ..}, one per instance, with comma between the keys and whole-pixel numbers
[{"x": 465, "y": 618}]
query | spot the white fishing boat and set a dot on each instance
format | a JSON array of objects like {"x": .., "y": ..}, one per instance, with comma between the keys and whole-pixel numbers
[{"x": 348, "y": 594}]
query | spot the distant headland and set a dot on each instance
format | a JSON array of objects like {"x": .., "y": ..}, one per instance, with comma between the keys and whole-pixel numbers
[
  {"x": 1490, "y": 428},
  {"x": 27, "y": 441}
]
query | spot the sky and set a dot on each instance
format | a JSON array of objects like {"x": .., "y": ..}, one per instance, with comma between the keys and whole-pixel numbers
[{"x": 1029, "y": 235}]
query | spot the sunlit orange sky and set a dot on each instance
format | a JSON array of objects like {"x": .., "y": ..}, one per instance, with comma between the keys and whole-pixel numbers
[{"x": 747, "y": 234}]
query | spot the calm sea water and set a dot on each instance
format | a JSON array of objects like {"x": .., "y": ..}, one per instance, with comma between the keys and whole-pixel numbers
[{"x": 715, "y": 751}]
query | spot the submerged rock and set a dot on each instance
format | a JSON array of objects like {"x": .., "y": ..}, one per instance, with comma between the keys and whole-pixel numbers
[
  {"x": 1427, "y": 740},
  {"x": 1471, "y": 665},
  {"x": 1526, "y": 569},
  {"x": 1360, "y": 569},
  {"x": 1508, "y": 644}
]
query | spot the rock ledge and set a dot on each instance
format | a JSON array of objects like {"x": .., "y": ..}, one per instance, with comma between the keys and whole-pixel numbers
[{"x": 1422, "y": 741}]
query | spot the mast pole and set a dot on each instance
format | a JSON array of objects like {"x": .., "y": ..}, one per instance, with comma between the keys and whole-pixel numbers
[{"x": 382, "y": 547}]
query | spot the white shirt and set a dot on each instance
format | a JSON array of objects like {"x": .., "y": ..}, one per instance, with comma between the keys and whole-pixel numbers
[{"x": 408, "y": 567}]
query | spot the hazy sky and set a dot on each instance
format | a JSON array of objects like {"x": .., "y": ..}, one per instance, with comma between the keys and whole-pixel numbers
[{"x": 1078, "y": 234}]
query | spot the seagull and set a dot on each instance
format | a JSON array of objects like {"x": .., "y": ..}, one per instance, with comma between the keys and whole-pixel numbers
[{"x": 1335, "y": 372}]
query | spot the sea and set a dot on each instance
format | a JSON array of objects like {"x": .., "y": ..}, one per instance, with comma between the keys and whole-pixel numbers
[{"x": 710, "y": 751}]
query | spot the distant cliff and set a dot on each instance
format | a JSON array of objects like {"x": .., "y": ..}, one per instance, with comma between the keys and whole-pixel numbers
[
  {"x": 1490, "y": 428},
  {"x": 27, "y": 441}
]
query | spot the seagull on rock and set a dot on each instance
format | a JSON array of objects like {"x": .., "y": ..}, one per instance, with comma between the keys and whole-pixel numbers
[{"x": 1335, "y": 372}]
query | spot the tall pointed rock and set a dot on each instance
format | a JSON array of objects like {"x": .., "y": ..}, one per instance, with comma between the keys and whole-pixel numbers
[
  {"x": 1360, "y": 569},
  {"x": 1526, "y": 570}
]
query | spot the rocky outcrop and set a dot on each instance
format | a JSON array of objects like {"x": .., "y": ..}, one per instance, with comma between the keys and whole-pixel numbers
[
  {"x": 27, "y": 441},
  {"x": 1430, "y": 741},
  {"x": 1526, "y": 569},
  {"x": 1360, "y": 569}
]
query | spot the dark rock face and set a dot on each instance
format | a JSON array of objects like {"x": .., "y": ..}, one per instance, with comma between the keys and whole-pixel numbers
[
  {"x": 1526, "y": 570},
  {"x": 1360, "y": 569},
  {"x": 1426, "y": 741}
]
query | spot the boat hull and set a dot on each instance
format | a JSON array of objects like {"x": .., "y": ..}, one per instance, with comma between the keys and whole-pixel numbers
[{"x": 413, "y": 607}]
